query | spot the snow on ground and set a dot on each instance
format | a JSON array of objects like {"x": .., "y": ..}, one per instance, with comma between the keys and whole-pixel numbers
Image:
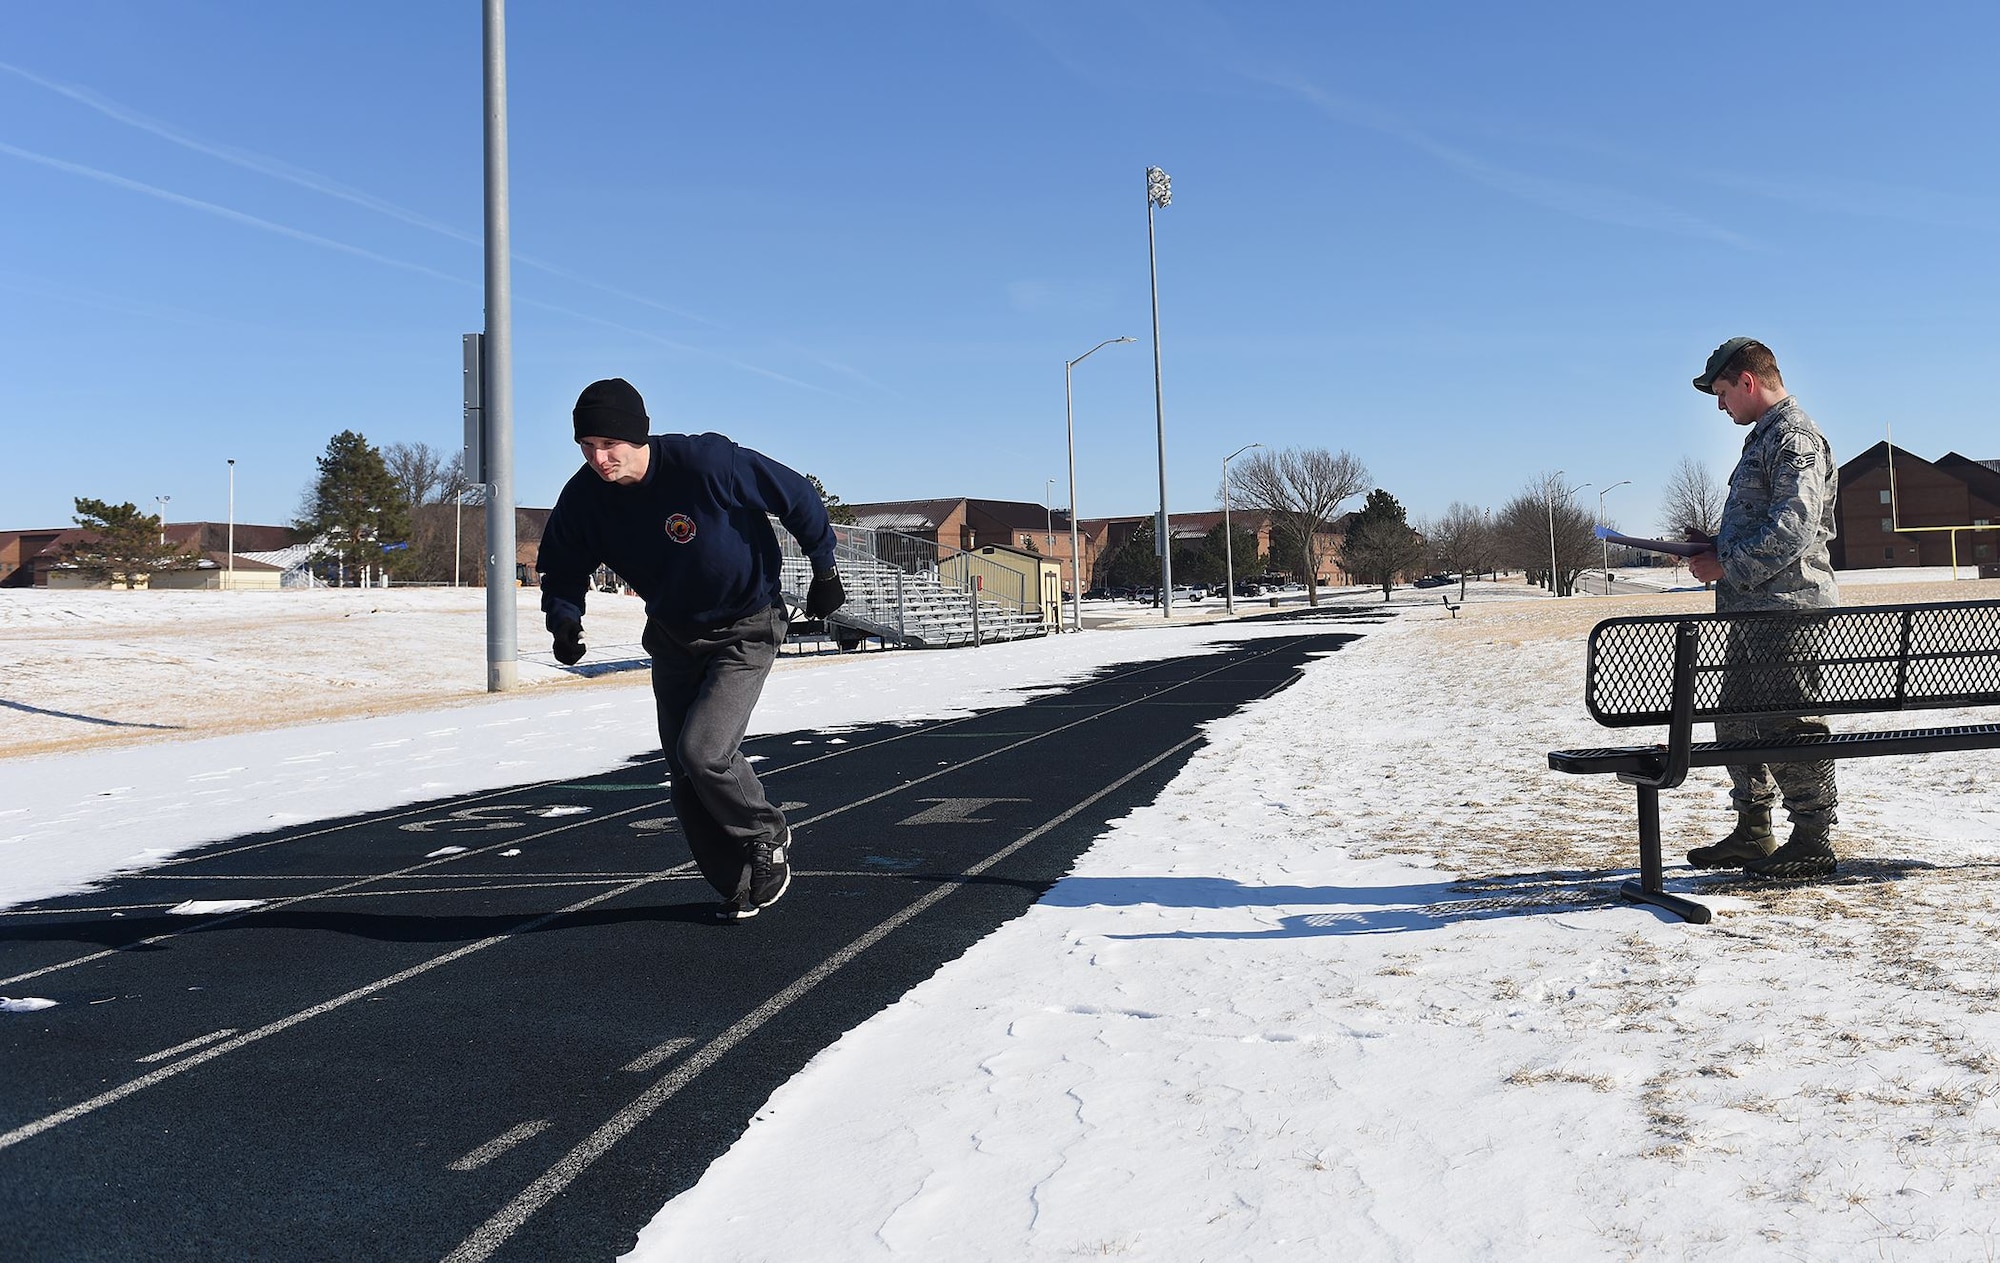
[{"x": 1351, "y": 987}]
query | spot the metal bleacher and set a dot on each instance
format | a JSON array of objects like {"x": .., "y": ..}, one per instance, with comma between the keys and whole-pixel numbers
[{"x": 899, "y": 593}]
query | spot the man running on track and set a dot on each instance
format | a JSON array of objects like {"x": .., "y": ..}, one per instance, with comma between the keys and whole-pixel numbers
[{"x": 684, "y": 519}]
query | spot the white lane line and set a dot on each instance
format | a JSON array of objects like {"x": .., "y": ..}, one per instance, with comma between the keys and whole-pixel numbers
[
  {"x": 494, "y": 1233},
  {"x": 651, "y": 1059},
  {"x": 29, "y": 1130},
  {"x": 123, "y": 909},
  {"x": 499, "y": 1144},
  {"x": 192, "y": 1044},
  {"x": 275, "y": 904}
]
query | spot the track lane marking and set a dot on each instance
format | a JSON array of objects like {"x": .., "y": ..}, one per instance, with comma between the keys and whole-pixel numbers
[
  {"x": 500, "y": 1144},
  {"x": 653, "y": 1057},
  {"x": 192, "y": 1044}
]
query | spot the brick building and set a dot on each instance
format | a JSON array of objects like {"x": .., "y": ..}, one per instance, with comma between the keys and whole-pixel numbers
[
  {"x": 1954, "y": 491},
  {"x": 28, "y": 558}
]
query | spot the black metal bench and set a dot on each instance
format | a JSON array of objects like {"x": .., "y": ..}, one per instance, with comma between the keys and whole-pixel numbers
[{"x": 1683, "y": 669}]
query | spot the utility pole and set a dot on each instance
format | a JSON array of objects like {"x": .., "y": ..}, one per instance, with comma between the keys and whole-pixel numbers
[{"x": 497, "y": 394}]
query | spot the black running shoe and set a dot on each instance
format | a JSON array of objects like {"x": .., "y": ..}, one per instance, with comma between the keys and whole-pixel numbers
[{"x": 769, "y": 877}]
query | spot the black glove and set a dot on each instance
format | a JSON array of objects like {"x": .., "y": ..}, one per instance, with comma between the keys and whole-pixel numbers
[
  {"x": 825, "y": 595},
  {"x": 568, "y": 634}
]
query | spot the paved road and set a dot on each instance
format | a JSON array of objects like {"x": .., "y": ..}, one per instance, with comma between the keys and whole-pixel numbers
[{"x": 505, "y": 1026}]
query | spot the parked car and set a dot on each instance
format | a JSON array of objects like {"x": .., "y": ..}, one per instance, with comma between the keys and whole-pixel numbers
[{"x": 1434, "y": 581}]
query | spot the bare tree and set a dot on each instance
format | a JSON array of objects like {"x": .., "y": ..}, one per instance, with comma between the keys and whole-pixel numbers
[
  {"x": 420, "y": 472},
  {"x": 1542, "y": 525},
  {"x": 1692, "y": 502},
  {"x": 1461, "y": 542},
  {"x": 1302, "y": 489}
]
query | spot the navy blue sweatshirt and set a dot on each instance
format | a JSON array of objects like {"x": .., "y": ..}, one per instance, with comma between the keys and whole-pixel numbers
[{"x": 693, "y": 538}]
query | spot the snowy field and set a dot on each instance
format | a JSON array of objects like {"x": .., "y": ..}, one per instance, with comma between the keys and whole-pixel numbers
[{"x": 1352, "y": 987}]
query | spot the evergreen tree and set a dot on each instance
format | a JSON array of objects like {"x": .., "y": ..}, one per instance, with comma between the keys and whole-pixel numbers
[
  {"x": 840, "y": 514},
  {"x": 1135, "y": 564},
  {"x": 124, "y": 545},
  {"x": 1241, "y": 551},
  {"x": 1380, "y": 544},
  {"x": 354, "y": 506}
]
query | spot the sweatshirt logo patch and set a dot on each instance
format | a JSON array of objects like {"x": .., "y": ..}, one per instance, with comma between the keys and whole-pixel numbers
[{"x": 680, "y": 528}]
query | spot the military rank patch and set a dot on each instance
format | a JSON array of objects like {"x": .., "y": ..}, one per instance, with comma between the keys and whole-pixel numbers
[{"x": 680, "y": 528}]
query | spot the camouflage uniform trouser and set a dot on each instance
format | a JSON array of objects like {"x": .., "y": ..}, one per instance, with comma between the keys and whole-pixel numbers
[{"x": 1808, "y": 789}]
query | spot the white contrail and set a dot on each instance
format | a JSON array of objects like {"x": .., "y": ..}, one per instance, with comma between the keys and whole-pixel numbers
[
  {"x": 236, "y": 216},
  {"x": 296, "y": 234},
  {"x": 278, "y": 169}
]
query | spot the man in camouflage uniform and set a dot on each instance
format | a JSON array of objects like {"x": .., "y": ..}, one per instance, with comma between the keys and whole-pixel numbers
[{"x": 1771, "y": 554}]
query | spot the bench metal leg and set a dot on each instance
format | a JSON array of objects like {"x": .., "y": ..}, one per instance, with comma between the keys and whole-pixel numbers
[{"x": 1649, "y": 888}]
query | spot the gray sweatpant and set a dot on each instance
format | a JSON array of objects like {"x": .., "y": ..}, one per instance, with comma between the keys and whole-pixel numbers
[{"x": 706, "y": 681}]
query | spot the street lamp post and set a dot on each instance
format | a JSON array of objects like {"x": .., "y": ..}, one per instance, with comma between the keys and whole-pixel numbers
[
  {"x": 162, "y": 502},
  {"x": 230, "y": 583},
  {"x": 1069, "y": 423},
  {"x": 1160, "y": 192},
  {"x": 1604, "y": 545},
  {"x": 1228, "y": 544}
]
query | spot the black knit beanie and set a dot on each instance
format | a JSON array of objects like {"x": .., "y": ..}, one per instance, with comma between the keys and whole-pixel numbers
[{"x": 610, "y": 409}]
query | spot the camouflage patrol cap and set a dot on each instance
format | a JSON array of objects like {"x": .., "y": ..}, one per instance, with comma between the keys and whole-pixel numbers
[{"x": 1718, "y": 359}]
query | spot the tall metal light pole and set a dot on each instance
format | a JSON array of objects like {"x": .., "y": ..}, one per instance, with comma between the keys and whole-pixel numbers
[
  {"x": 162, "y": 502},
  {"x": 1069, "y": 423},
  {"x": 1160, "y": 192},
  {"x": 1228, "y": 545},
  {"x": 1604, "y": 544},
  {"x": 231, "y": 583},
  {"x": 498, "y": 391},
  {"x": 1048, "y": 512}
]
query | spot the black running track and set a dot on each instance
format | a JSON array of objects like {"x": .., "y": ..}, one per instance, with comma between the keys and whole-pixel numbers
[{"x": 521, "y": 1049}]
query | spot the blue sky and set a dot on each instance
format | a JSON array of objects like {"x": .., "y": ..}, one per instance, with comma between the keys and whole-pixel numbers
[{"x": 1466, "y": 242}]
